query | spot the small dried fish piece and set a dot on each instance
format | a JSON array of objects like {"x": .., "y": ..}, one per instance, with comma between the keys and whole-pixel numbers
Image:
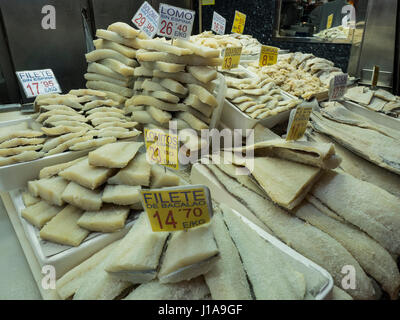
[
  {"x": 57, "y": 118},
  {"x": 244, "y": 106},
  {"x": 59, "y": 130},
  {"x": 40, "y": 213},
  {"x": 150, "y": 85},
  {"x": 100, "y": 77},
  {"x": 385, "y": 95},
  {"x": 184, "y": 77},
  {"x": 63, "y": 228},
  {"x": 191, "y": 60},
  {"x": 112, "y": 132},
  {"x": 163, "y": 66},
  {"x": 22, "y": 157},
  {"x": 50, "y": 189},
  {"x": 69, "y": 102},
  {"x": 102, "y": 85},
  {"x": 65, "y": 145},
  {"x": 194, "y": 122},
  {"x": 87, "y": 92},
  {"x": 117, "y": 124},
  {"x": 51, "y": 171},
  {"x": 204, "y": 96},
  {"x": 86, "y": 175},
  {"x": 172, "y": 85},
  {"x": 104, "y": 114},
  {"x": 199, "y": 50},
  {"x": 81, "y": 197},
  {"x": 157, "y": 45},
  {"x": 99, "y": 103},
  {"x": 161, "y": 177},
  {"x": 21, "y": 142},
  {"x": 121, "y": 194},
  {"x": 241, "y": 99},
  {"x": 116, "y": 97},
  {"x": 194, "y": 101},
  {"x": 98, "y": 68},
  {"x": 117, "y": 67},
  {"x": 124, "y": 29},
  {"x": 109, "y": 218},
  {"x": 28, "y": 199},
  {"x": 51, "y": 107},
  {"x": 18, "y": 150},
  {"x": 233, "y": 93},
  {"x": 94, "y": 143},
  {"x": 203, "y": 74},
  {"x": 104, "y": 109},
  {"x": 45, "y": 115},
  {"x": 143, "y": 117},
  {"x": 143, "y": 72},
  {"x": 105, "y": 44},
  {"x": 165, "y": 96},
  {"x": 137, "y": 172},
  {"x": 159, "y": 115},
  {"x": 151, "y": 101},
  {"x": 114, "y": 155},
  {"x": 64, "y": 123},
  {"x": 359, "y": 94},
  {"x": 100, "y": 54},
  {"x": 54, "y": 142},
  {"x": 115, "y": 37}
]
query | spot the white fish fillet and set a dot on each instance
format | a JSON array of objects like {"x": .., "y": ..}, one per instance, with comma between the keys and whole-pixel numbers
[
  {"x": 28, "y": 199},
  {"x": 51, "y": 189},
  {"x": 92, "y": 143},
  {"x": 40, "y": 213},
  {"x": 81, "y": 197},
  {"x": 109, "y": 218},
  {"x": 162, "y": 177},
  {"x": 48, "y": 172},
  {"x": 137, "y": 172},
  {"x": 114, "y": 155},
  {"x": 121, "y": 194}
]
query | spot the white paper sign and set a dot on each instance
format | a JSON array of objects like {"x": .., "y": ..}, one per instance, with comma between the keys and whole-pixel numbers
[
  {"x": 218, "y": 23},
  {"x": 337, "y": 86},
  {"x": 146, "y": 19},
  {"x": 175, "y": 22},
  {"x": 38, "y": 82}
]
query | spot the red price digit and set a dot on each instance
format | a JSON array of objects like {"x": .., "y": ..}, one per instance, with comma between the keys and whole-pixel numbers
[
  {"x": 182, "y": 28},
  {"x": 170, "y": 219},
  {"x": 140, "y": 20},
  {"x": 197, "y": 212},
  {"x": 37, "y": 86},
  {"x": 30, "y": 88},
  {"x": 150, "y": 27},
  {"x": 166, "y": 27},
  {"x": 157, "y": 215}
]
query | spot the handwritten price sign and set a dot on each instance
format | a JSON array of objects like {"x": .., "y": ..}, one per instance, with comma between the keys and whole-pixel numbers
[
  {"x": 175, "y": 22},
  {"x": 38, "y": 82},
  {"x": 218, "y": 23},
  {"x": 162, "y": 148},
  {"x": 146, "y": 19},
  {"x": 268, "y": 56},
  {"x": 238, "y": 22},
  {"x": 231, "y": 58},
  {"x": 337, "y": 86},
  {"x": 298, "y": 122},
  {"x": 177, "y": 208}
]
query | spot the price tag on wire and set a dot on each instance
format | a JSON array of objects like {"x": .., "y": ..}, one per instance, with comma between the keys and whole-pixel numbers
[
  {"x": 175, "y": 22},
  {"x": 177, "y": 208},
  {"x": 218, "y": 23},
  {"x": 207, "y": 2},
  {"x": 146, "y": 19},
  {"x": 162, "y": 148},
  {"x": 38, "y": 82},
  {"x": 238, "y": 22},
  {"x": 329, "y": 21},
  {"x": 268, "y": 56},
  {"x": 337, "y": 86},
  {"x": 298, "y": 121},
  {"x": 231, "y": 58}
]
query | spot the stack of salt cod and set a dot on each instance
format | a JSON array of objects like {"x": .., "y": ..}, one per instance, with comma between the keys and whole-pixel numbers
[
  {"x": 93, "y": 193},
  {"x": 338, "y": 221},
  {"x": 220, "y": 260},
  {"x": 258, "y": 97},
  {"x": 111, "y": 65},
  {"x": 376, "y": 100},
  {"x": 83, "y": 119},
  {"x": 301, "y": 74},
  {"x": 174, "y": 82}
]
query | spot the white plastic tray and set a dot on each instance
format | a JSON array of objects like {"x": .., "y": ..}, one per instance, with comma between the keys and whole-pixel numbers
[
  {"x": 200, "y": 175},
  {"x": 63, "y": 257}
]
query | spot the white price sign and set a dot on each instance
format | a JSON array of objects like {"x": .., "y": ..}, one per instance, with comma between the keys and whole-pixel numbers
[
  {"x": 218, "y": 23},
  {"x": 38, "y": 82},
  {"x": 337, "y": 86},
  {"x": 146, "y": 19},
  {"x": 175, "y": 22}
]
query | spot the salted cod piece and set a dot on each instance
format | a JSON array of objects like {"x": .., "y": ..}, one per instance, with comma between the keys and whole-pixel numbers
[
  {"x": 125, "y": 30},
  {"x": 361, "y": 168},
  {"x": 92, "y": 143},
  {"x": 100, "y": 54},
  {"x": 320, "y": 155},
  {"x": 28, "y": 199},
  {"x": 70, "y": 282},
  {"x": 115, "y": 124},
  {"x": 20, "y": 134},
  {"x": 100, "y": 77},
  {"x": 18, "y": 150},
  {"x": 63, "y": 228},
  {"x": 195, "y": 289},
  {"x": 385, "y": 95},
  {"x": 172, "y": 85},
  {"x": 101, "y": 69},
  {"x": 204, "y": 95},
  {"x": 165, "y": 96},
  {"x": 194, "y": 122},
  {"x": 140, "y": 100},
  {"x": 373, "y": 258},
  {"x": 109, "y": 218},
  {"x": 87, "y": 92},
  {"x": 157, "y": 45},
  {"x": 304, "y": 238},
  {"x": 372, "y": 209},
  {"x": 51, "y": 171},
  {"x": 227, "y": 279},
  {"x": 194, "y": 101},
  {"x": 50, "y": 189},
  {"x": 118, "y": 67},
  {"x": 81, "y": 197},
  {"x": 197, "y": 257},
  {"x": 97, "y": 103},
  {"x": 159, "y": 115},
  {"x": 54, "y": 142},
  {"x": 359, "y": 94},
  {"x": 104, "y": 114},
  {"x": 162, "y": 177},
  {"x": 369, "y": 144},
  {"x": 65, "y": 145},
  {"x": 200, "y": 50},
  {"x": 69, "y": 102},
  {"x": 163, "y": 66},
  {"x": 86, "y": 175},
  {"x": 106, "y": 44},
  {"x": 22, "y": 157},
  {"x": 102, "y": 85},
  {"x": 21, "y": 142},
  {"x": 190, "y": 60},
  {"x": 104, "y": 109},
  {"x": 121, "y": 194},
  {"x": 40, "y": 213},
  {"x": 60, "y": 130},
  {"x": 137, "y": 172},
  {"x": 138, "y": 263},
  {"x": 276, "y": 279},
  {"x": 114, "y": 155}
]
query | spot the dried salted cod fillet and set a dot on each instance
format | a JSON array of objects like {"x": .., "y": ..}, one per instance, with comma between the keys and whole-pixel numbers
[
  {"x": 124, "y": 29},
  {"x": 193, "y": 101},
  {"x": 63, "y": 228},
  {"x": 114, "y": 155},
  {"x": 104, "y": 109},
  {"x": 45, "y": 115},
  {"x": 203, "y": 74},
  {"x": 51, "y": 189},
  {"x": 86, "y": 175},
  {"x": 137, "y": 172},
  {"x": 304, "y": 238},
  {"x": 157, "y": 45},
  {"x": 87, "y": 92},
  {"x": 385, "y": 95},
  {"x": 118, "y": 67},
  {"x": 372, "y": 209},
  {"x": 163, "y": 66},
  {"x": 199, "y": 50},
  {"x": 154, "y": 102},
  {"x": 373, "y": 258},
  {"x": 94, "y": 143},
  {"x": 121, "y": 194},
  {"x": 117, "y": 124},
  {"x": 227, "y": 279},
  {"x": 204, "y": 96},
  {"x": 81, "y": 197},
  {"x": 184, "y": 77},
  {"x": 105, "y": 44},
  {"x": 21, "y": 142},
  {"x": 138, "y": 263},
  {"x": 60, "y": 130},
  {"x": 40, "y": 213},
  {"x": 194, "y": 122},
  {"x": 54, "y": 142},
  {"x": 277, "y": 280},
  {"x": 172, "y": 85},
  {"x": 191, "y": 60},
  {"x": 100, "y": 77},
  {"x": 101, "y": 69},
  {"x": 28, "y": 199},
  {"x": 48, "y": 172},
  {"x": 69, "y": 102},
  {"x": 100, "y": 54},
  {"x": 22, "y": 157},
  {"x": 109, "y": 218},
  {"x": 197, "y": 257},
  {"x": 102, "y": 85},
  {"x": 18, "y": 150},
  {"x": 359, "y": 94},
  {"x": 20, "y": 134},
  {"x": 161, "y": 177},
  {"x": 159, "y": 115},
  {"x": 115, "y": 37}
]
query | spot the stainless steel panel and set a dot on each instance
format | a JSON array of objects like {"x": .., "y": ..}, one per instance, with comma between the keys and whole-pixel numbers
[{"x": 33, "y": 47}]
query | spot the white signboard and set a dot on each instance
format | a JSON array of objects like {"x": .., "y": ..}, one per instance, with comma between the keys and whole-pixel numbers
[
  {"x": 38, "y": 82},
  {"x": 175, "y": 22},
  {"x": 337, "y": 87},
  {"x": 146, "y": 19},
  {"x": 218, "y": 23}
]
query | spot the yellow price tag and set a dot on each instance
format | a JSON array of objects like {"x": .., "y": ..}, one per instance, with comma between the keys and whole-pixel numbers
[
  {"x": 162, "y": 148},
  {"x": 238, "y": 22},
  {"x": 268, "y": 56},
  {"x": 299, "y": 123},
  {"x": 231, "y": 58},
  {"x": 207, "y": 2},
  {"x": 177, "y": 208},
  {"x": 329, "y": 21}
]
